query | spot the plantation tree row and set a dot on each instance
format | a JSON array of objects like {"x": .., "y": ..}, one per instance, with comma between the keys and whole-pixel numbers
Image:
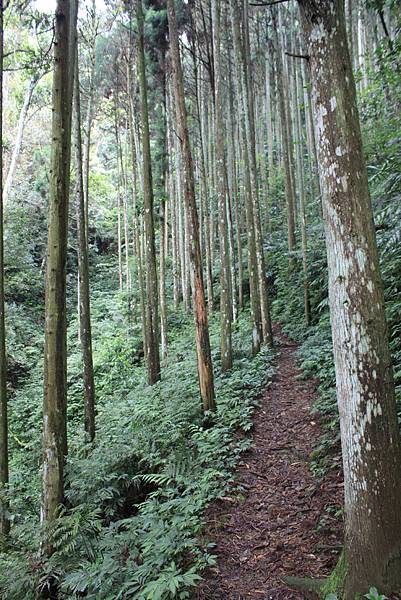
[{"x": 208, "y": 104}]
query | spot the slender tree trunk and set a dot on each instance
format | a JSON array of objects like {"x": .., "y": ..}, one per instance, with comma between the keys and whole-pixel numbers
[
  {"x": 83, "y": 271},
  {"x": 119, "y": 203},
  {"x": 162, "y": 276},
  {"x": 225, "y": 303},
  {"x": 4, "y": 521},
  {"x": 203, "y": 124},
  {"x": 205, "y": 367},
  {"x": 232, "y": 191},
  {"x": 55, "y": 353},
  {"x": 173, "y": 203},
  {"x": 153, "y": 357},
  {"x": 252, "y": 262},
  {"x": 269, "y": 118},
  {"x": 134, "y": 176},
  {"x": 249, "y": 113},
  {"x": 365, "y": 387},
  {"x": 20, "y": 132},
  {"x": 302, "y": 200},
  {"x": 289, "y": 189},
  {"x": 89, "y": 117}
]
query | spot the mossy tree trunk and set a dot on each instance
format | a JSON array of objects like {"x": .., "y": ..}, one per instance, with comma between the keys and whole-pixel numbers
[
  {"x": 55, "y": 351},
  {"x": 365, "y": 387}
]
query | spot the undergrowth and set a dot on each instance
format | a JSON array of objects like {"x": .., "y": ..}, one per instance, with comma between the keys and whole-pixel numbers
[{"x": 137, "y": 500}]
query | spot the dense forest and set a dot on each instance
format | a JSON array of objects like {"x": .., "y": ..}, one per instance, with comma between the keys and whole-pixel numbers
[{"x": 200, "y": 310}]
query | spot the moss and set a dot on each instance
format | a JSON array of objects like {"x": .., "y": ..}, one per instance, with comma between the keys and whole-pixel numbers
[{"x": 335, "y": 583}]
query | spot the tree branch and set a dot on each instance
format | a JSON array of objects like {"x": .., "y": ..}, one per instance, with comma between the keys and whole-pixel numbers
[
  {"x": 304, "y": 56},
  {"x": 267, "y": 3}
]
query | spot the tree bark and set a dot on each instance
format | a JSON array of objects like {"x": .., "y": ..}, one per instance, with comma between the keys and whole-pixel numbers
[
  {"x": 55, "y": 352},
  {"x": 134, "y": 175},
  {"x": 153, "y": 355},
  {"x": 252, "y": 261},
  {"x": 302, "y": 199},
  {"x": 205, "y": 367},
  {"x": 249, "y": 112},
  {"x": 225, "y": 301},
  {"x": 83, "y": 271},
  {"x": 286, "y": 142},
  {"x": 4, "y": 474},
  {"x": 89, "y": 116},
  {"x": 365, "y": 387}
]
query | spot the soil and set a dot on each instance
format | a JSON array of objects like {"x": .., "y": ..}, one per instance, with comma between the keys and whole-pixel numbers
[{"x": 282, "y": 522}]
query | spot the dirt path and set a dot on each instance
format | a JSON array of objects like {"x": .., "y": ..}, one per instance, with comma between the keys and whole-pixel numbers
[{"x": 281, "y": 526}]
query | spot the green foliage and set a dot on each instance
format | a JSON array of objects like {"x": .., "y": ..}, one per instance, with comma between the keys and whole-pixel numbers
[
  {"x": 373, "y": 594},
  {"x": 139, "y": 496}
]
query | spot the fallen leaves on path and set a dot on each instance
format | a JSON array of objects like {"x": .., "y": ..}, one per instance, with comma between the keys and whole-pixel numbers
[{"x": 279, "y": 525}]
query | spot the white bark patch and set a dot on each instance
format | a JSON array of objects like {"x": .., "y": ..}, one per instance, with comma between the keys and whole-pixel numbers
[
  {"x": 333, "y": 103},
  {"x": 318, "y": 33},
  {"x": 339, "y": 151},
  {"x": 361, "y": 259}
]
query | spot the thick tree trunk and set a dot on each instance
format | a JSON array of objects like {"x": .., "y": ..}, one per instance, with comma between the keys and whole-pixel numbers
[
  {"x": 55, "y": 353},
  {"x": 4, "y": 521},
  {"x": 83, "y": 272},
  {"x": 205, "y": 367},
  {"x": 153, "y": 356},
  {"x": 365, "y": 387}
]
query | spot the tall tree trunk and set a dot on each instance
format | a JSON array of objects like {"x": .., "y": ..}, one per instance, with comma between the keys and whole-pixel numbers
[
  {"x": 134, "y": 176},
  {"x": 225, "y": 301},
  {"x": 249, "y": 113},
  {"x": 205, "y": 367},
  {"x": 286, "y": 142},
  {"x": 83, "y": 271},
  {"x": 234, "y": 189},
  {"x": 252, "y": 262},
  {"x": 119, "y": 203},
  {"x": 162, "y": 276},
  {"x": 365, "y": 387},
  {"x": 4, "y": 521},
  {"x": 89, "y": 116},
  {"x": 173, "y": 202},
  {"x": 153, "y": 356},
  {"x": 302, "y": 198},
  {"x": 18, "y": 141},
  {"x": 55, "y": 353}
]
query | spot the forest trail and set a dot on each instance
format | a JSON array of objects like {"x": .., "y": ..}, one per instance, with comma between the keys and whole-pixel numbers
[{"x": 281, "y": 526}]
